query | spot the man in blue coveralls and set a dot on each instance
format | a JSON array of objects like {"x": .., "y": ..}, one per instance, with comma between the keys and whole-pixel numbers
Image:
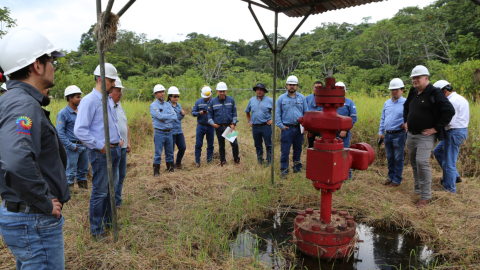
[
  {"x": 77, "y": 162},
  {"x": 349, "y": 110},
  {"x": 312, "y": 106},
  {"x": 200, "y": 110},
  {"x": 260, "y": 121},
  {"x": 391, "y": 128},
  {"x": 222, "y": 113},
  {"x": 290, "y": 106},
  {"x": 162, "y": 117}
]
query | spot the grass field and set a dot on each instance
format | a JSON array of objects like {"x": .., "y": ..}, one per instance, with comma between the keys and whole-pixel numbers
[{"x": 186, "y": 219}]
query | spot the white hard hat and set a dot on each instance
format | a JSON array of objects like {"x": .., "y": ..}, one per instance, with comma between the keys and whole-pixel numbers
[
  {"x": 158, "y": 88},
  {"x": 173, "y": 90},
  {"x": 4, "y": 86},
  {"x": 118, "y": 83},
  {"x": 206, "y": 92},
  {"x": 72, "y": 89},
  {"x": 396, "y": 84},
  {"x": 341, "y": 84},
  {"x": 292, "y": 80},
  {"x": 420, "y": 71},
  {"x": 441, "y": 84},
  {"x": 221, "y": 86},
  {"x": 22, "y": 47},
  {"x": 110, "y": 71}
]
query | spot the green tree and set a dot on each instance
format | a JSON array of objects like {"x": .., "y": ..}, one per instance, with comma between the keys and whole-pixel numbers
[{"x": 6, "y": 22}]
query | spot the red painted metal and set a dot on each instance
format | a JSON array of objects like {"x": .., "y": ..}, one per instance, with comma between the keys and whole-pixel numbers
[{"x": 329, "y": 234}]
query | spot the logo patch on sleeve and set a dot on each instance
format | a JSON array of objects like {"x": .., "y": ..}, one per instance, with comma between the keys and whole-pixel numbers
[{"x": 24, "y": 125}]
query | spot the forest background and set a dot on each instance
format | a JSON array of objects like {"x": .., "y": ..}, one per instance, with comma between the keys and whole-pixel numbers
[{"x": 444, "y": 36}]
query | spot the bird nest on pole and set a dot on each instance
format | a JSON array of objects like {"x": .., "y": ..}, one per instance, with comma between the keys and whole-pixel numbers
[{"x": 107, "y": 35}]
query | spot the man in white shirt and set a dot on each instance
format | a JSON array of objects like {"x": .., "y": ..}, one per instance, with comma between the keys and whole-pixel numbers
[{"x": 446, "y": 152}]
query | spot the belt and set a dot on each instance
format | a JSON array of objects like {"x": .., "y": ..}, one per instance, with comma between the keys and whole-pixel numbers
[
  {"x": 207, "y": 125},
  {"x": 264, "y": 124},
  {"x": 113, "y": 144},
  {"x": 164, "y": 130},
  {"x": 17, "y": 207},
  {"x": 415, "y": 132},
  {"x": 297, "y": 125},
  {"x": 77, "y": 142},
  {"x": 394, "y": 131},
  {"x": 224, "y": 125}
]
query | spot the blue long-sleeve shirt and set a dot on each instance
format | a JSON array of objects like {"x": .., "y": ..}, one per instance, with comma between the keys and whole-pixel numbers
[
  {"x": 289, "y": 109},
  {"x": 349, "y": 109},
  {"x": 222, "y": 111},
  {"x": 261, "y": 109},
  {"x": 65, "y": 123},
  {"x": 201, "y": 105},
  {"x": 89, "y": 126},
  {"x": 311, "y": 105},
  {"x": 163, "y": 115},
  {"x": 177, "y": 124},
  {"x": 392, "y": 115}
]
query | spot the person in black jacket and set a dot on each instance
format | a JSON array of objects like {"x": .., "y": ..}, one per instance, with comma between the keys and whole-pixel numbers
[
  {"x": 33, "y": 183},
  {"x": 426, "y": 113}
]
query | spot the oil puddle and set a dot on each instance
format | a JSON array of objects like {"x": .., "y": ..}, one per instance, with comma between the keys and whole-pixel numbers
[{"x": 380, "y": 249}]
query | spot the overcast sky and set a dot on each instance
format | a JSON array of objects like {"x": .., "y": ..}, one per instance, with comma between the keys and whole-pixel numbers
[{"x": 64, "y": 21}]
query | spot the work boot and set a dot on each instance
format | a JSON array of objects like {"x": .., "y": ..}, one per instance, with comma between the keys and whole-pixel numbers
[
  {"x": 237, "y": 161},
  {"x": 156, "y": 170},
  {"x": 170, "y": 167},
  {"x": 178, "y": 166},
  {"x": 458, "y": 180},
  {"x": 422, "y": 203},
  {"x": 197, "y": 165},
  {"x": 83, "y": 184},
  {"x": 223, "y": 163}
]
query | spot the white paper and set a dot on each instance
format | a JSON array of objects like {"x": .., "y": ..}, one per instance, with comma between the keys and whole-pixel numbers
[
  {"x": 230, "y": 134},
  {"x": 302, "y": 129}
]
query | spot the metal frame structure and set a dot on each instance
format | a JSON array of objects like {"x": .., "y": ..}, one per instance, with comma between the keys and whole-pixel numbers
[
  {"x": 101, "y": 54},
  {"x": 275, "y": 52},
  {"x": 294, "y": 8}
]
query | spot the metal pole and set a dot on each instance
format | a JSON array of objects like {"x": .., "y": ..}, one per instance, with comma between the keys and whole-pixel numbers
[
  {"x": 107, "y": 12},
  {"x": 274, "y": 96},
  {"x": 111, "y": 185},
  {"x": 260, "y": 27},
  {"x": 127, "y": 6}
]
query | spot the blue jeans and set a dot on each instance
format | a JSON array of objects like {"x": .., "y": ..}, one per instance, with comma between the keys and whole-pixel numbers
[
  {"x": 263, "y": 134},
  {"x": 100, "y": 207},
  {"x": 446, "y": 154},
  {"x": 395, "y": 148},
  {"x": 77, "y": 164},
  {"x": 163, "y": 140},
  {"x": 122, "y": 172},
  {"x": 179, "y": 141},
  {"x": 203, "y": 131},
  {"x": 36, "y": 240},
  {"x": 289, "y": 137}
]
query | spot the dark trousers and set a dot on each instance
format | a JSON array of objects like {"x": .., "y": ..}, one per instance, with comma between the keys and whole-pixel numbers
[
  {"x": 179, "y": 141},
  {"x": 311, "y": 140},
  {"x": 204, "y": 131},
  {"x": 221, "y": 145},
  {"x": 291, "y": 137},
  {"x": 260, "y": 134}
]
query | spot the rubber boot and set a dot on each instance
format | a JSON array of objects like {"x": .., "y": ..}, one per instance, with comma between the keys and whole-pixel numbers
[
  {"x": 156, "y": 170},
  {"x": 170, "y": 167}
]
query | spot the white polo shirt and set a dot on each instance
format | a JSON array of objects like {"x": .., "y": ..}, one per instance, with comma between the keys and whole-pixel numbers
[{"x": 462, "y": 111}]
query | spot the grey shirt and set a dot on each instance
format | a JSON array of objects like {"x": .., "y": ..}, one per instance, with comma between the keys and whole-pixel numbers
[
  {"x": 122, "y": 123},
  {"x": 32, "y": 160}
]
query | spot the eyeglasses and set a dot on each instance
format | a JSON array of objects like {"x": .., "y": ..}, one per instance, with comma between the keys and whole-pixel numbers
[
  {"x": 175, "y": 96},
  {"x": 54, "y": 63}
]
